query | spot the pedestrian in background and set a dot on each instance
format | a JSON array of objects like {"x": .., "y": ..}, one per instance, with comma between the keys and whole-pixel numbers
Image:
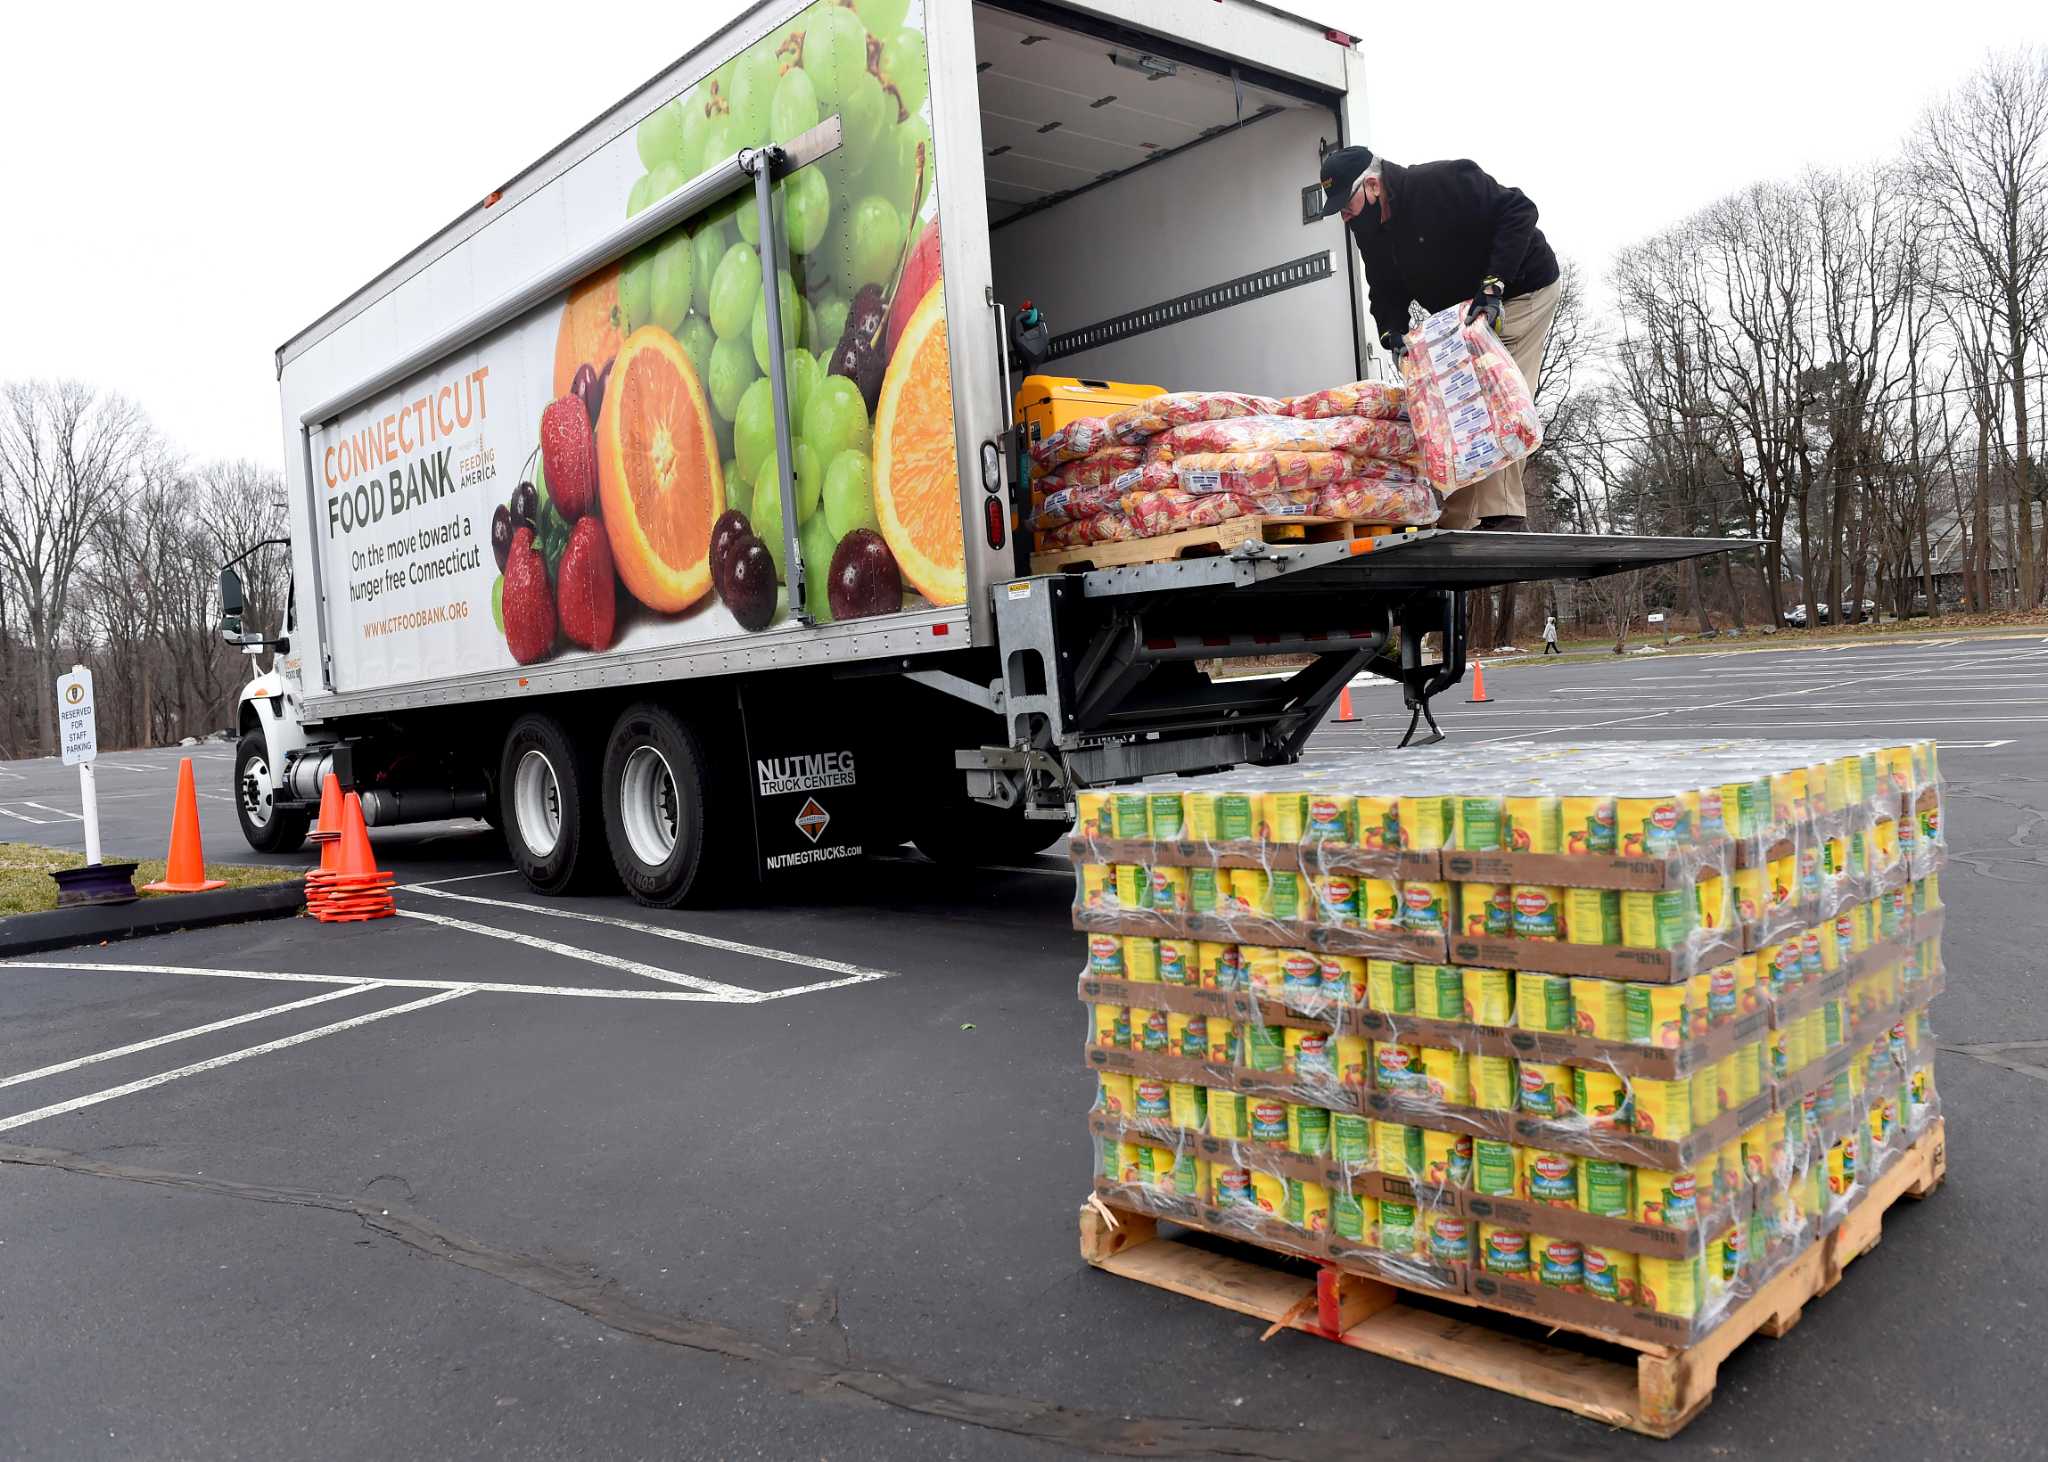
[{"x": 1550, "y": 635}]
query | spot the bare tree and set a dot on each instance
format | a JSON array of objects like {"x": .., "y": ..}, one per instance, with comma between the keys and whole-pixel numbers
[
  {"x": 1986, "y": 168},
  {"x": 67, "y": 456}
]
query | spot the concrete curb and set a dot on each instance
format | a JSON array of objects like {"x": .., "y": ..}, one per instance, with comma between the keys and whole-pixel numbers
[{"x": 94, "y": 923}]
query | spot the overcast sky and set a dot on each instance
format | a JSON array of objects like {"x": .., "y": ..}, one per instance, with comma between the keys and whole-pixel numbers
[{"x": 185, "y": 188}]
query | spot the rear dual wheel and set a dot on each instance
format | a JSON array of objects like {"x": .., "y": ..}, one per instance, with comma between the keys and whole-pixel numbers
[
  {"x": 548, "y": 801},
  {"x": 657, "y": 808}
]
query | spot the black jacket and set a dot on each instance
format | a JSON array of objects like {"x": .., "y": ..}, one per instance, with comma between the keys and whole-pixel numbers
[{"x": 1449, "y": 226}]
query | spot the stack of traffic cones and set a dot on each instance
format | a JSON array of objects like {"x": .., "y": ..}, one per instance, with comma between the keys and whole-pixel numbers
[{"x": 347, "y": 888}]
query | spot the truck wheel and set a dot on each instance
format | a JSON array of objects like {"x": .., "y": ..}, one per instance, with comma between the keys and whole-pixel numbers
[
  {"x": 548, "y": 804},
  {"x": 267, "y": 827},
  {"x": 972, "y": 833},
  {"x": 655, "y": 798}
]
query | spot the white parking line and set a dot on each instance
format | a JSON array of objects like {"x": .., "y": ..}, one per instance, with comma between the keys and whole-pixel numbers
[
  {"x": 711, "y": 989},
  {"x": 183, "y": 1035},
  {"x": 24, "y": 817},
  {"x": 8, "y": 1124},
  {"x": 43, "y": 807},
  {"x": 668, "y": 931},
  {"x": 467, "y": 987}
]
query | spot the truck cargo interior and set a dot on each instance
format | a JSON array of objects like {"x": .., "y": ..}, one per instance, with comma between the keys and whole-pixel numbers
[{"x": 1147, "y": 198}]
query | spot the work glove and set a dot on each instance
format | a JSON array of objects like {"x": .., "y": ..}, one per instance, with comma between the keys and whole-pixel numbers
[
  {"x": 1486, "y": 305},
  {"x": 1396, "y": 344}
]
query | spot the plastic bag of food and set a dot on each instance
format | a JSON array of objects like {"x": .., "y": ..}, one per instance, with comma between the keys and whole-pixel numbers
[
  {"x": 1071, "y": 503},
  {"x": 1471, "y": 409},
  {"x": 1253, "y": 472},
  {"x": 1152, "y": 477},
  {"x": 1408, "y": 504},
  {"x": 1173, "y": 512},
  {"x": 1097, "y": 469},
  {"x": 1359, "y": 435},
  {"x": 1156, "y": 414},
  {"x": 1075, "y": 440},
  {"x": 1384, "y": 400},
  {"x": 1081, "y": 532}
]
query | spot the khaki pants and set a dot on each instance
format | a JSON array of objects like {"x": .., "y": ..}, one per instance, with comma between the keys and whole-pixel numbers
[{"x": 1524, "y": 322}]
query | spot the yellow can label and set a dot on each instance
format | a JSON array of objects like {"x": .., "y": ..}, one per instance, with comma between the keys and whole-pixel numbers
[
  {"x": 1650, "y": 827},
  {"x": 1750, "y": 895},
  {"x": 1601, "y": 1098},
  {"x": 1189, "y": 1105},
  {"x": 1538, "y": 911},
  {"x": 1113, "y": 1027},
  {"x": 1425, "y": 906},
  {"x": 1091, "y": 819},
  {"x": 1491, "y": 996},
  {"x": 1446, "y": 1159},
  {"x": 1543, "y": 1002},
  {"x": 1655, "y": 1014},
  {"x": 1667, "y": 1198},
  {"x": 1479, "y": 823},
  {"x": 1168, "y": 815},
  {"x": 1493, "y": 1083},
  {"x": 1379, "y": 905},
  {"x": 1344, "y": 977},
  {"x": 1706, "y": 1094},
  {"x": 1098, "y": 886},
  {"x": 1543, "y": 1089},
  {"x": 1426, "y": 823},
  {"x": 1377, "y": 822},
  {"x": 1282, "y": 815},
  {"x": 1661, "y": 1108},
  {"x": 1227, "y": 1118},
  {"x": 1269, "y": 1194},
  {"x": 1265, "y": 968},
  {"x": 1248, "y": 890},
  {"x": 1115, "y": 1098},
  {"x": 1445, "y": 1075},
  {"x": 1610, "y": 1273},
  {"x": 1599, "y": 1009},
  {"x": 1592, "y": 916},
  {"x": 1188, "y": 1035},
  {"x": 1670, "y": 1286},
  {"x": 1550, "y": 1178},
  {"x": 1218, "y": 965},
  {"x": 1485, "y": 909},
  {"x": 1397, "y": 1149},
  {"x": 1200, "y": 809},
  {"x": 1354, "y": 1057},
  {"x": 1133, "y": 885},
  {"x": 1589, "y": 824},
  {"x": 1130, "y": 815},
  {"x": 1390, "y": 986},
  {"x": 1141, "y": 958},
  {"x": 1535, "y": 824}
]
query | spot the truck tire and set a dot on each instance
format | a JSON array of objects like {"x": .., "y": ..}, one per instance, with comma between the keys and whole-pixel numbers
[
  {"x": 657, "y": 803},
  {"x": 266, "y": 827},
  {"x": 549, "y": 804},
  {"x": 974, "y": 834}
]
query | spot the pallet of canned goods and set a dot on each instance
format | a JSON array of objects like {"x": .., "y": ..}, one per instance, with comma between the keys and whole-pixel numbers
[{"x": 1643, "y": 1152}]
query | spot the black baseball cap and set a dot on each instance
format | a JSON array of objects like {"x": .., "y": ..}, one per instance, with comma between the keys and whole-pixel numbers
[{"x": 1341, "y": 169}]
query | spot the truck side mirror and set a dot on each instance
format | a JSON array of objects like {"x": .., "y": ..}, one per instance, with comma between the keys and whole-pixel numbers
[{"x": 230, "y": 605}]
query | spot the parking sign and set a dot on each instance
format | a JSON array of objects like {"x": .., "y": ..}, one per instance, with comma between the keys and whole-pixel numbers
[{"x": 77, "y": 731}]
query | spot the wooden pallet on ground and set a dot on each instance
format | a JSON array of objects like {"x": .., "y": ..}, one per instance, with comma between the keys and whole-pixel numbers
[
  {"x": 1205, "y": 542},
  {"x": 1656, "y": 1392}
]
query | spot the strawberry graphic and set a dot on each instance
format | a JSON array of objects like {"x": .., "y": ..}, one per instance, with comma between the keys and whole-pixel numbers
[
  {"x": 586, "y": 589},
  {"x": 570, "y": 456},
  {"x": 529, "y": 601}
]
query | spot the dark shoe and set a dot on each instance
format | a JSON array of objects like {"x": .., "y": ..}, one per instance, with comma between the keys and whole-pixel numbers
[{"x": 1501, "y": 523}]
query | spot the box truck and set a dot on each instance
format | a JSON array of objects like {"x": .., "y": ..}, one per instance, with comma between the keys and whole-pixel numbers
[{"x": 665, "y": 507}]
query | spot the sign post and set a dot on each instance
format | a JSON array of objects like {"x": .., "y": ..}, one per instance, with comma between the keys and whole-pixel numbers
[
  {"x": 79, "y": 737},
  {"x": 79, "y": 733}
]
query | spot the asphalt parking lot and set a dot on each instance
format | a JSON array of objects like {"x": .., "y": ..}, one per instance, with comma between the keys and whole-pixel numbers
[{"x": 526, "y": 1177}]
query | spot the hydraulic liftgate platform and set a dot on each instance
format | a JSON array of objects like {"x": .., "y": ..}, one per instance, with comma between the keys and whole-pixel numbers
[{"x": 1100, "y": 683}]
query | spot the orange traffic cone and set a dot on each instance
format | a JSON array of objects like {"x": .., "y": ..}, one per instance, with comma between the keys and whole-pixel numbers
[
  {"x": 186, "y": 872},
  {"x": 1479, "y": 694},
  {"x": 1345, "y": 715},
  {"x": 328, "y": 827}
]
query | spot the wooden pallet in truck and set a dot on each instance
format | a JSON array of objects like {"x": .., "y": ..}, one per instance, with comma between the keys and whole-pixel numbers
[
  {"x": 1203, "y": 542},
  {"x": 1657, "y": 1394}
]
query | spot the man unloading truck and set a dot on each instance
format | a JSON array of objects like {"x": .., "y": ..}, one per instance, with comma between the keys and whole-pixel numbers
[{"x": 1439, "y": 233}]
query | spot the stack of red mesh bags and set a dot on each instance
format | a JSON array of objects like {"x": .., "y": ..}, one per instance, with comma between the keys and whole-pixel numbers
[{"x": 1194, "y": 459}]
